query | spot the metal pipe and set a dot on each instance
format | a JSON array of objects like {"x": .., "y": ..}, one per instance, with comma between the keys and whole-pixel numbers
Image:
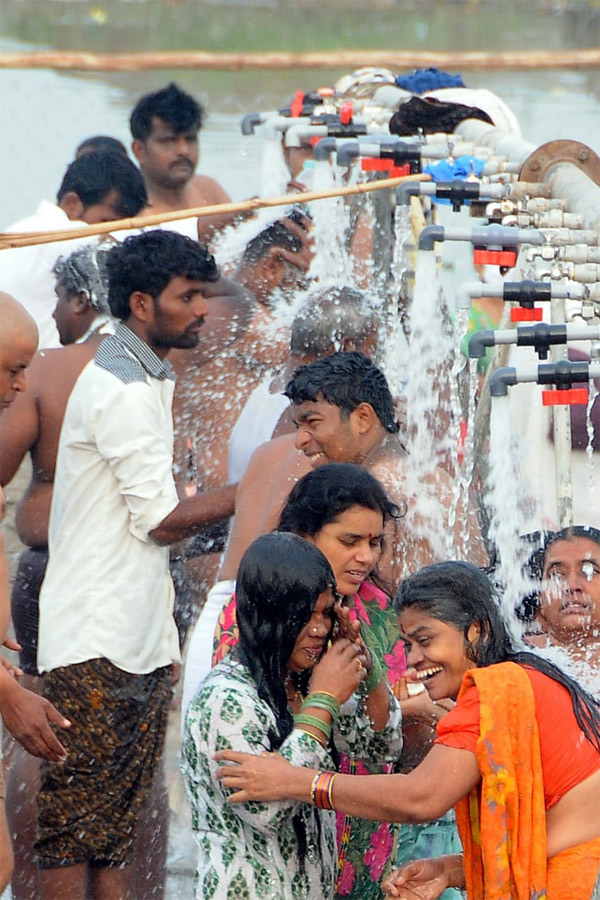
[
  {"x": 540, "y": 336},
  {"x": 276, "y": 124},
  {"x": 580, "y": 192},
  {"x": 295, "y": 134},
  {"x": 481, "y": 235},
  {"x": 251, "y": 120},
  {"x": 501, "y": 142},
  {"x": 563, "y": 374}
]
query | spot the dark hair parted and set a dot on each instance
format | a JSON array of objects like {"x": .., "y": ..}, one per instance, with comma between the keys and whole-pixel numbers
[
  {"x": 328, "y": 491},
  {"x": 459, "y": 594},
  {"x": 94, "y": 175},
  {"x": 179, "y": 110},
  {"x": 279, "y": 581},
  {"x": 345, "y": 380},
  {"x": 147, "y": 263}
]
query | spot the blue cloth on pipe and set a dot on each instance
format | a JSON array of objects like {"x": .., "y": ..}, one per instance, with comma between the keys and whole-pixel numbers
[
  {"x": 421, "y": 80},
  {"x": 461, "y": 168}
]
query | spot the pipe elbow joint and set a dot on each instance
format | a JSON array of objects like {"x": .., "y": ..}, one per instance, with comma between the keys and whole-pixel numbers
[
  {"x": 501, "y": 380},
  {"x": 480, "y": 341},
  {"x": 430, "y": 235},
  {"x": 407, "y": 190},
  {"x": 324, "y": 147},
  {"x": 250, "y": 121},
  {"x": 347, "y": 153}
]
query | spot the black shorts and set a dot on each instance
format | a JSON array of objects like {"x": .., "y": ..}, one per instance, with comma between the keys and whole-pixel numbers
[{"x": 25, "y": 605}]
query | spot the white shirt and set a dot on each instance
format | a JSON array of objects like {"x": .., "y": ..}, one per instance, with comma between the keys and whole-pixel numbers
[
  {"x": 107, "y": 591},
  {"x": 26, "y": 272},
  {"x": 255, "y": 425}
]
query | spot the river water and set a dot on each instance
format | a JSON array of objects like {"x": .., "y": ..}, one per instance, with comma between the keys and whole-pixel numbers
[{"x": 47, "y": 113}]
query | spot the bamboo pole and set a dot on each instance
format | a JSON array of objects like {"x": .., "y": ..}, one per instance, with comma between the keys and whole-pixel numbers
[
  {"x": 10, "y": 240},
  {"x": 324, "y": 59}
]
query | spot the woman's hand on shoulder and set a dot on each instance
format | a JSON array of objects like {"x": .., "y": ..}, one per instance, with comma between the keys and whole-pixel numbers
[
  {"x": 340, "y": 670},
  {"x": 264, "y": 777}
]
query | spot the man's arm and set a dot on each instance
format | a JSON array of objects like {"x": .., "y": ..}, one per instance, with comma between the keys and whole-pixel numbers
[
  {"x": 140, "y": 454},
  {"x": 29, "y": 718},
  {"x": 19, "y": 429},
  {"x": 193, "y": 513}
]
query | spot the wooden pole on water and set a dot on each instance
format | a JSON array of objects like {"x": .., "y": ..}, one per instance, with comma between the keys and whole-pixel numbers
[{"x": 331, "y": 59}]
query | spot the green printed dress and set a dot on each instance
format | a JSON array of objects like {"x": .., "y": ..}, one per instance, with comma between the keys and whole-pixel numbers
[{"x": 250, "y": 851}]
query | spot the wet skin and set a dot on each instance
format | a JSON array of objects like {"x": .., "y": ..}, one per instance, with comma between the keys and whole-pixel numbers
[{"x": 570, "y": 598}]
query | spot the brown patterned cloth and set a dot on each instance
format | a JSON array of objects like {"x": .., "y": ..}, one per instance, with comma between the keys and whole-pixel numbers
[{"x": 88, "y": 808}]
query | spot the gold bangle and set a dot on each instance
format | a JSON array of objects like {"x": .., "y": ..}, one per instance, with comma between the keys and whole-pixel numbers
[{"x": 305, "y": 730}]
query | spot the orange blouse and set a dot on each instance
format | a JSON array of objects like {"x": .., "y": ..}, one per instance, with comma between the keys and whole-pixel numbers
[{"x": 567, "y": 756}]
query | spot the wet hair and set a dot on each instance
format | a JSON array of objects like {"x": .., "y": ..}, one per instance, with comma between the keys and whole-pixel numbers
[
  {"x": 101, "y": 142},
  {"x": 279, "y": 581},
  {"x": 96, "y": 174},
  {"x": 85, "y": 270},
  {"x": 179, "y": 110},
  {"x": 534, "y": 567},
  {"x": 461, "y": 595},
  {"x": 328, "y": 491},
  {"x": 274, "y": 235},
  {"x": 147, "y": 263},
  {"x": 330, "y": 317},
  {"x": 345, "y": 380}
]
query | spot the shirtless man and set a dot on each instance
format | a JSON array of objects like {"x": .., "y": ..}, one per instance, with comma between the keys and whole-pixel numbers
[
  {"x": 343, "y": 412},
  {"x": 164, "y": 126},
  {"x": 26, "y": 715},
  {"x": 329, "y": 319},
  {"x": 242, "y": 343}
]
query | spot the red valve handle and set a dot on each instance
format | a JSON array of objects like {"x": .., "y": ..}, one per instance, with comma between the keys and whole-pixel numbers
[
  {"x": 568, "y": 397},
  {"x": 520, "y": 314},
  {"x": 505, "y": 258}
]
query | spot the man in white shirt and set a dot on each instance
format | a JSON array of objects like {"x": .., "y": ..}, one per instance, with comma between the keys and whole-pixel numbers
[
  {"x": 107, "y": 637},
  {"x": 98, "y": 187}
]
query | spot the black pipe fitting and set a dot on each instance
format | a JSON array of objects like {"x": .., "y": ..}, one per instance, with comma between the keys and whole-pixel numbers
[
  {"x": 541, "y": 336},
  {"x": 563, "y": 374},
  {"x": 457, "y": 192},
  {"x": 526, "y": 292}
]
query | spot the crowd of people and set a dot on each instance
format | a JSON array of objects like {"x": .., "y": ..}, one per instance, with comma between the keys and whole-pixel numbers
[{"x": 215, "y": 505}]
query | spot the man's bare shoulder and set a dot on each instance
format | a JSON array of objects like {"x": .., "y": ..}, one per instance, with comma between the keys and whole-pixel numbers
[
  {"x": 62, "y": 364},
  {"x": 205, "y": 191},
  {"x": 275, "y": 452}
]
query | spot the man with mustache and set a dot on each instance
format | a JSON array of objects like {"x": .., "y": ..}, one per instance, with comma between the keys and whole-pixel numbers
[
  {"x": 107, "y": 637},
  {"x": 164, "y": 126}
]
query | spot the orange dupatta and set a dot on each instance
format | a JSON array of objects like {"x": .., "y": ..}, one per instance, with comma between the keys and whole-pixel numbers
[{"x": 502, "y": 823}]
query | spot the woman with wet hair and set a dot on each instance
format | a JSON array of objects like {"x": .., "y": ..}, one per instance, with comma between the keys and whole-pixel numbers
[
  {"x": 344, "y": 510},
  {"x": 296, "y": 683},
  {"x": 518, "y": 757}
]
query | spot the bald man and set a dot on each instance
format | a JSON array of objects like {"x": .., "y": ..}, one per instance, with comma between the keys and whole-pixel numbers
[{"x": 26, "y": 715}]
